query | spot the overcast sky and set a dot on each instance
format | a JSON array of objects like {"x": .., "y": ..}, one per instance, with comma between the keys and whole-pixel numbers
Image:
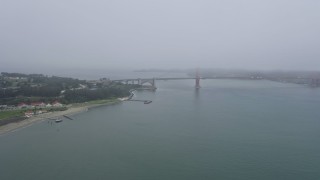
[{"x": 249, "y": 34}]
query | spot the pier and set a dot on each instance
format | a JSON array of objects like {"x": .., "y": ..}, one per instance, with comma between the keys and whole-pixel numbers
[{"x": 137, "y": 100}]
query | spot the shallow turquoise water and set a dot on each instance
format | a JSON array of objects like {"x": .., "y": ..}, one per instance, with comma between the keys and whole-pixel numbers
[{"x": 228, "y": 129}]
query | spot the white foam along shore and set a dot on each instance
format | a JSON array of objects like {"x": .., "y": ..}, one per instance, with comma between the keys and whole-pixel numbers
[{"x": 38, "y": 118}]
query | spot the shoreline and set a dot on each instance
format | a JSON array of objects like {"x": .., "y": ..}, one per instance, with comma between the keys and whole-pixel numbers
[{"x": 11, "y": 127}]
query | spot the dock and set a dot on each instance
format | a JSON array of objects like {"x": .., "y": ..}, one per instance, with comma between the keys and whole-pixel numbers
[
  {"x": 139, "y": 100},
  {"x": 67, "y": 117}
]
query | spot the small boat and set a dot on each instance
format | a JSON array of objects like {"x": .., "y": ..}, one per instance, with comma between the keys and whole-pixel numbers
[
  {"x": 147, "y": 102},
  {"x": 58, "y": 120}
]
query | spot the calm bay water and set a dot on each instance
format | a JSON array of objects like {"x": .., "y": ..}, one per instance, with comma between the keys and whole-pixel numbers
[{"x": 228, "y": 129}]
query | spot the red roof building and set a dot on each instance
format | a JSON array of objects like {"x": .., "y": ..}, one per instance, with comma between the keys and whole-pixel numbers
[
  {"x": 22, "y": 104},
  {"x": 38, "y": 104},
  {"x": 56, "y": 104}
]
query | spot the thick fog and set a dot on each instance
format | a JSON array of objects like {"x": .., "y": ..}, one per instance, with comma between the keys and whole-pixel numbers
[{"x": 137, "y": 34}]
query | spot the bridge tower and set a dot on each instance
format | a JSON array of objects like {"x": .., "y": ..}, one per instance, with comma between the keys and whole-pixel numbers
[
  {"x": 154, "y": 83},
  {"x": 197, "y": 79},
  {"x": 315, "y": 82}
]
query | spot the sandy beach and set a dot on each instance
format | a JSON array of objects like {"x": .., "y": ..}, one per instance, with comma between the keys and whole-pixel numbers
[{"x": 38, "y": 118}]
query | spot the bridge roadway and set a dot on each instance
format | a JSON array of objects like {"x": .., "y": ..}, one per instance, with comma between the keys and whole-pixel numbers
[
  {"x": 182, "y": 78},
  {"x": 151, "y": 81},
  {"x": 311, "y": 81}
]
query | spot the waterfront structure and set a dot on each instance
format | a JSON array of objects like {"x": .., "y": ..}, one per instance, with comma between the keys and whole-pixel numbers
[{"x": 28, "y": 114}]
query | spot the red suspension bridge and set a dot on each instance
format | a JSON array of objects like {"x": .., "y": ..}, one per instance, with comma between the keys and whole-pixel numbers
[{"x": 152, "y": 81}]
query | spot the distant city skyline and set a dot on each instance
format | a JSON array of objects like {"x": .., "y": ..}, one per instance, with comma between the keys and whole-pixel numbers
[{"x": 183, "y": 34}]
